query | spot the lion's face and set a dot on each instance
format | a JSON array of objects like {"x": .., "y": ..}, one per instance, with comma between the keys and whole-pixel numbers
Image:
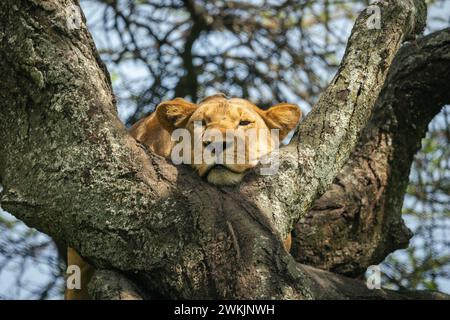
[{"x": 228, "y": 136}]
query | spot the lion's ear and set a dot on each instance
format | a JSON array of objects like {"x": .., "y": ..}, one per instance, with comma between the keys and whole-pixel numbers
[
  {"x": 175, "y": 113},
  {"x": 283, "y": 116}
]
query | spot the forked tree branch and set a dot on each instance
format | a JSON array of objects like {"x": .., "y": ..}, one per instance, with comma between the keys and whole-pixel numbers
[
  {"x": 330, "y": 132},
  {"x": 69, "y": 168},
  {"x": 357, "y": 222}
]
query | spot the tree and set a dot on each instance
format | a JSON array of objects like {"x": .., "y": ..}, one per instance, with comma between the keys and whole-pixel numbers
[{"x": 69, "y": 168}]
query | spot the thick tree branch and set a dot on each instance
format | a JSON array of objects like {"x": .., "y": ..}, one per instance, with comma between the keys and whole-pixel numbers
[
  {"x": 330, "y": 132},
  {"x": 70, "y": 169},
  {"x": 357, "y": 222},
  {"x": 334, "y": 286},
  {"x": 109, "y": 285}
]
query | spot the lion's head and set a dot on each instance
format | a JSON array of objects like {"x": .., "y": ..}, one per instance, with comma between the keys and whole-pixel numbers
[{"x": 210, "y": 123}]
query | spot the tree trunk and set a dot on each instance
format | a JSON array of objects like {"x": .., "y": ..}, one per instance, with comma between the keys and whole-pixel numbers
[
  {"x": 69, "y": 168},
  {"x": 357, "y": 222}
]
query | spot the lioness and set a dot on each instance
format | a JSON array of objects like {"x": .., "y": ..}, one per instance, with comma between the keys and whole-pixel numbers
[
  {"x": 213, "y": 113},
  {"x": 222, "y": 115}
]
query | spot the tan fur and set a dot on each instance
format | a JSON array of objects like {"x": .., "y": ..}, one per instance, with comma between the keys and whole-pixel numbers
[
  {"x": 149, "y": 132},
  {"x": 217, "y": 112},
  {"x": 86, "y": 271},
  {"x": 225, "y": 114}
]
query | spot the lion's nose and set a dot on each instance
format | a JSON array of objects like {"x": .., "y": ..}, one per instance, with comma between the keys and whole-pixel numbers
[
  {"x": 226, "y": 144},
  {"x": 207, "y": 142},
  {"x": 215, "y": 145}
]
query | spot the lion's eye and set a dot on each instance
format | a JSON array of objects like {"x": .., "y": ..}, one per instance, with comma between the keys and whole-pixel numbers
[{"x": 244, "y": 123}]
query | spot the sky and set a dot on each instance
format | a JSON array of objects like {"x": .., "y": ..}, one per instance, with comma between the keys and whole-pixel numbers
[{"x": 37, "y": 271}]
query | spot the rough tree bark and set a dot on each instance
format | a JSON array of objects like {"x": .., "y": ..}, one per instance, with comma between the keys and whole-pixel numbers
[
  {"x": 357, "y": 222},
  {"x": 69, "y": 168}
]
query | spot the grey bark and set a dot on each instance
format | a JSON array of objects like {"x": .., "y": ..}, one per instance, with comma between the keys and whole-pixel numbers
[
  {"x": 69, "y": 168},
  {"x": 110, "y": 285},
  {"x": 357, "y": 222}
]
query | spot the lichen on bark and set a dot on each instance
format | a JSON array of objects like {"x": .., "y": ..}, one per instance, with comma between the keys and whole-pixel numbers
[{"x": 70, "y": 169}]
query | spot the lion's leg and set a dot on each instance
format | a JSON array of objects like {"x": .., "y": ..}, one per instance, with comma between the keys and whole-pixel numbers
[
  {"x": 287, "y": 243},
  {"x": 86, "y": 272}
]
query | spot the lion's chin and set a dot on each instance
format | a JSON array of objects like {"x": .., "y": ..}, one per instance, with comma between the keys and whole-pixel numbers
[{"x": 223, "y": 177}]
